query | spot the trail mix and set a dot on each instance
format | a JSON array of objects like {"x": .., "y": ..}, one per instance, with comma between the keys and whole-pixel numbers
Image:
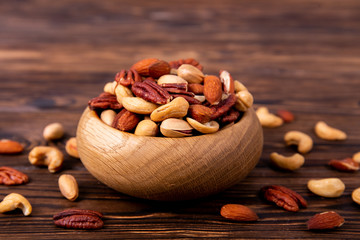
[{"x": 175, "y": 97}]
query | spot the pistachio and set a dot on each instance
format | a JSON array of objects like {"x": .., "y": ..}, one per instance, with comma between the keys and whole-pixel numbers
[
  {"x": 208, "y": 127},
  {"x": 170, "y": 79},
  {"x": 138, "y": 105},
  {"x": 190, "y": 73},
  {"x": 201, "y": 98},
  {"x": 177, "y": 108},
  {"x": 146, "y": 128},
  {"x": 174, "y": 127}
]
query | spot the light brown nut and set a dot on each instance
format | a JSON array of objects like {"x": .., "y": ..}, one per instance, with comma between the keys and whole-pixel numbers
[
  {"x": 326, "y": 187},
  {"x": 167, "y": 79},
  {"x": 244, "y": 101},
  {"x": 238, "y": 212},
  {"x": 289, "y": 163},
  {"x": 286, "y": 115},
  {"x": 268, "y": 119},
  {"x": 138, "y": 105},
  {"x": 356, "y": 195},
  {"x": 14, "y": 201},
  {"x": 190, "y": 73},
  {"x": 239, "y": 86},
  {"x": 208, "y": 127},
  {"x": 227, "y": 81},
  {"x": 356, "y": 157},
  {"x": 174, "y": 127},
  {"x": 47, "y": 156},
  {"x": 177, "y": 108},
  {"x": 10, "y": 147},
  {"x": 303, "y": 141},
  {"x": 326, "y": 132},
  {"x": 345, "y": 165},
  {"x": 325, "y": 220},
  {"x": 283, "y": 197},
  {"x": 53, "y": 131},
  {"x": 200, "y": 98},
  {"x": 126, "y": 120},
  {"x": 68, "y": 187},
  {"x": 146, "y": 128},
  {"x": 110, "y": 87},
  {"x": 121, "y": 92},
  {"x": 212, "y": 89},
  {"x": 71, "y": 147},
  {"x": 107, "y": 116}
]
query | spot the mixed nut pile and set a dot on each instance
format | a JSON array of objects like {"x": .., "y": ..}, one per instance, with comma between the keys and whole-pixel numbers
[{"x": 175, "y": 97}]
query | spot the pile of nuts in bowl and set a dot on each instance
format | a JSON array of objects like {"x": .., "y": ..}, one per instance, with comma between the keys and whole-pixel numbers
[{"x": 175, "y": 97}]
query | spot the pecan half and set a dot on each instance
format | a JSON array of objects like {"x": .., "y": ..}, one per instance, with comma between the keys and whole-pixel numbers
[
  {"x": 126, "y": 120},
  {"x": 191, "y": 100},
  {"x": 284, "y": 197},
  {"x": 174, "y": 87},
  {"x": 224, "y": 106},
  {"x": 10, "y": 176},
  {"x": 104, "y": 101},
  {"x": 231, "y": 116},
  {"x": 127, "y": 77},
  {"x": 176, "y": 64},
  {"x": 79, "y": 219},
  {"x": 151, "y": 92}
]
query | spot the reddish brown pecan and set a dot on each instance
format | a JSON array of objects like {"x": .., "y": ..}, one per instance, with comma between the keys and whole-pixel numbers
[
  {"x": 104, "y": 101},
  {"x": 284, "y": 197},
  {"x": 230, "y": 117},
  {"x": 191, "y": 100},
  {"x": 174, "y": 87},
  {"x": 196, "y": 88},
  {"x": 127, "y": 77},
  {"x": 126, "y": 120},
  {"x": 224, "y": 106},
  {"x": 10, "y": 176},
  {"x": 79, "y": 219},
  {"x": 191, "y": 61},
  {"x": 151, "y": 92}
]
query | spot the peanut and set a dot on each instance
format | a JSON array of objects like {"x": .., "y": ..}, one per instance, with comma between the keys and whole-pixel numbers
[
  {"x": 327, "y": 187},
  {"x": 53, "y": 131}
]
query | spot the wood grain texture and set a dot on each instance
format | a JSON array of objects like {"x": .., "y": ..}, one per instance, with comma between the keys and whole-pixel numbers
[
  {"x": 160, "y": 168},
  {"x": 300, "y": 55}
]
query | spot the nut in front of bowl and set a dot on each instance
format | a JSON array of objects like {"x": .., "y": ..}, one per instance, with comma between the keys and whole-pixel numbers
[{"x": 176, "y": 100}]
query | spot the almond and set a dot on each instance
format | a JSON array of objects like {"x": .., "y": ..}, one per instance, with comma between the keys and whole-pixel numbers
[
  {"x": 152, "y": 67},
  {"x": 286, "y": 115},
  {"x": 10, "y": 147},
  {"x": 196, "y": 88},
  {"x": 238, "y": 212},
  {"x": 345, "y": 165},
  {"x": 212, "y": 89},
  {"x": 325, "y": 220},
  {"x": 200, "y": 113}
]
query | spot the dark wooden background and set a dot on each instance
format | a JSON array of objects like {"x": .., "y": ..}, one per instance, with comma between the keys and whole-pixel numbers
[{"x": 300, "y": 55}]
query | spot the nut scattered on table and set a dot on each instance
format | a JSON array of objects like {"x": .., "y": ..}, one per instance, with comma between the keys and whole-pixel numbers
[
  {"x": 345, "y": 165},
  {"x": 291, "y": 163},
  {"x": 238, "y": 212},
  {"x": 53, "y": 131},
  {"x": 47, "y": 156},
  {"x": 326, "y": 187},
  {"x": 356, "y": 195},
  {"x": 79, "y": 219},
  {"x": 303, "y": 141},
  {"x": 268, "y": 119},
  {"x": 10, "y": 176},
  {"x": 283, "y": 197},
  {"x": 325, "y": 220},
  {"x": 68, "y": 187},
  {"x": 14, "y": 201},
  {"x": 71, "y": 147},
  {"x": 356, "y": 157},
  {"x": 324, "y": 131},
  {"x": 286, "y": 115},
  {"x": 10, "y": 147}
]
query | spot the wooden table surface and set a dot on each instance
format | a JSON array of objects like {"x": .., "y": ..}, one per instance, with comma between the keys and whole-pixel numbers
[{"x": 301, "y": 55}]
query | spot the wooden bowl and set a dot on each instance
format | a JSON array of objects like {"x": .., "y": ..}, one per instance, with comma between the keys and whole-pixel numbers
[{"x": 160, "y": 168}]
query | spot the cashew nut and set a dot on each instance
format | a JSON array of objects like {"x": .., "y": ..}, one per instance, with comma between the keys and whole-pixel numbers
[
  {"x": 138, "y": 105},
  {"x": 13, "y": 201},
  {"x": 177, "y": 108},
  {"x": 244, "y": 100},
  {"x": 239, "y": 86},
  {"x": 122, "y": 91},
  {"x": 302, "y": 140},
  {"x": 356, "y": 157},
  {"x": 355, "y": 195},
  {"x": 47, "y": 156},
  {"x": 209, "y": 127},
  {"x": 326, "y": 132},
  {"x": 289, "y": 163},
  {"x": 268, "y": 119},
  {"x": 110, "y": 87},
  {"x": 327, "y": 187},
  {"x": 53, "y": 131}
]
